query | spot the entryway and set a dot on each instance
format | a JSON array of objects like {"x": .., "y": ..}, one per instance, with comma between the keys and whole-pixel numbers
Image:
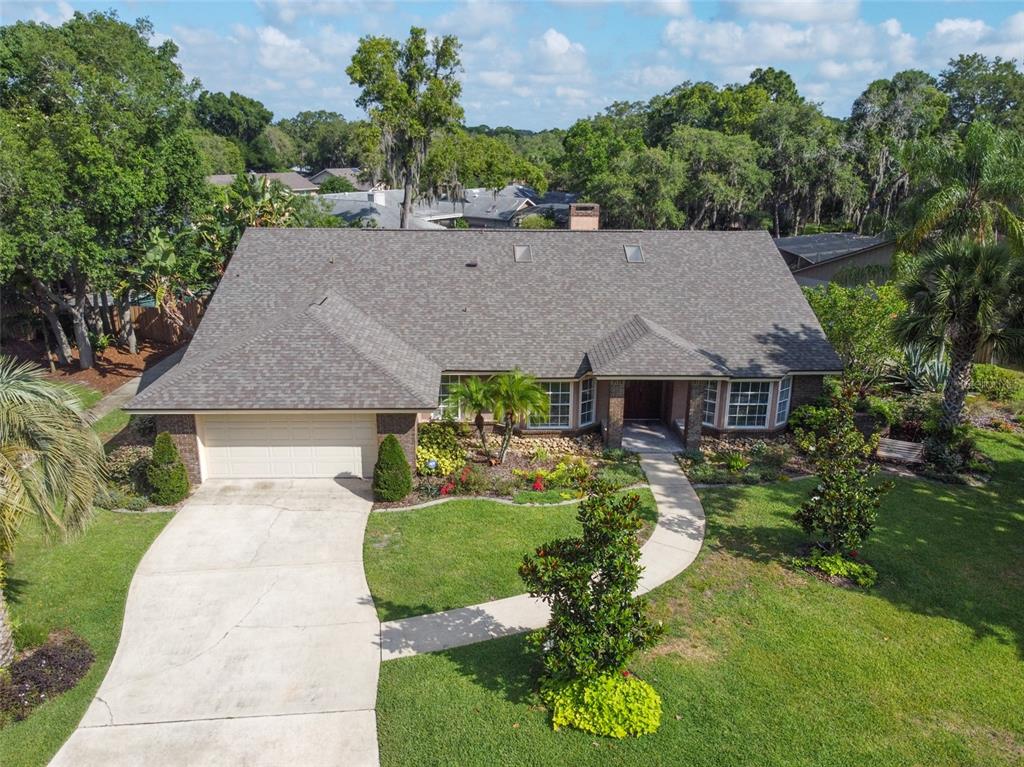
[
  {"x": 650, "y": 437},
  {"x": 642, "y": 401}
]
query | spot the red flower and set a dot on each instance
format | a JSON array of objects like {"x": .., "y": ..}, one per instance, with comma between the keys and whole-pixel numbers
[
  {"x": 447, "y": 487},
  {"x": 538, "y": 483},
  {"x": 625, "y": 673},
  {"x": 853, "y": 554}
]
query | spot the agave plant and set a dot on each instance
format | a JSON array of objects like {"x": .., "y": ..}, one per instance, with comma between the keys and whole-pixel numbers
[{"x": 921, "y": 372}]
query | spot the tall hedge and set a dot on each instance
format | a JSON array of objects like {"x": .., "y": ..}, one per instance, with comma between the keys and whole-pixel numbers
[
  {"x": 167, "y": 476},
  {"x": 392, "y": 478}
]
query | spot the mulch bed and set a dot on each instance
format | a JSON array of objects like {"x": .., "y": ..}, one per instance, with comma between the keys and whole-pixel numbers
[
  {"x": 112, "y": 367},
  {"x": 42, "y": 673}
]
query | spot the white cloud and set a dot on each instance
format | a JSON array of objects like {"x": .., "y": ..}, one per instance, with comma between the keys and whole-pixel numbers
[
  {"x": 657, "y": 77},
  {"x": 796, "y": 10},
  {"x": 61, "y": 12},
  {"x": 557, "y": 53},
  {"x": 663, "y": 7}
]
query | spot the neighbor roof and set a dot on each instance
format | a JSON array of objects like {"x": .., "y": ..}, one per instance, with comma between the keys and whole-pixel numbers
[
  {"x": 819, "y": 248},
  {"x": 351, "y": 174},
  {"x": 367, "y": 319},
  {"x": 291, "y": 179}
]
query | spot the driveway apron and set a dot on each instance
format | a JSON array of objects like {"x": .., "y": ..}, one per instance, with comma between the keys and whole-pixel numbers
[{"x": 249, "y": 638}]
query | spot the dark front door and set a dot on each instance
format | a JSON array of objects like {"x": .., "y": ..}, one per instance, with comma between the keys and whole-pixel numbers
[{"x": 642, "y": 400}]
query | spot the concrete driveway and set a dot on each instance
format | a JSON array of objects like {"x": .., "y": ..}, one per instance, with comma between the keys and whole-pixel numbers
[{"x": 250, "y": 637}]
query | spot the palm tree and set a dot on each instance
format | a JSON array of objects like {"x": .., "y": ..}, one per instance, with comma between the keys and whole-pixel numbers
[
  {"x": 51, "y": 463},
  {"x": 515, "y": 397},
  {"x": 974, "y": 188},
  {"x": 474, "y": 396},
  {"x": 965, "y": 294}
]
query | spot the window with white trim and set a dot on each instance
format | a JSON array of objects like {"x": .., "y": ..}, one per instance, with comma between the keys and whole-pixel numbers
[
  {"x": 444, "y": 410},
  {"x": 586, "y": 401},
  {"x": 785, "y": 394},
  {"x": 748, "y": 404},
  {"x": 560, "y": 399},
  {"x": 710, "y": 406}
]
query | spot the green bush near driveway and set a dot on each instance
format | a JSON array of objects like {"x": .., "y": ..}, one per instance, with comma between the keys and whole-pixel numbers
[
  {"x": 166, "y": 474},
  {"x": 392, "y": 478}
]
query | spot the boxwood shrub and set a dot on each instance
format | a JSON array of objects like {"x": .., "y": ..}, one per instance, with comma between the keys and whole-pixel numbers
[
  {"x": 167, "y": 476},
  {"x": 392, "y": 478},
  {"x": 615, "y": 705}
]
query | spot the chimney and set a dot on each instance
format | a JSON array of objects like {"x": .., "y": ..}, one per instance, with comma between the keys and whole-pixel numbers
[
  {"x": 584, "y": 217},
  {"x": 377, "y": 197}
]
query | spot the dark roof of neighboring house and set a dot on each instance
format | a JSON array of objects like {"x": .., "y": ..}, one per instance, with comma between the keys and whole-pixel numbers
[
  {"x": 351, "y": 174},
  {"x": 367, "y": 319},
  {"x": 291, "y": 179},
  {"x": 819, "y": 248}
]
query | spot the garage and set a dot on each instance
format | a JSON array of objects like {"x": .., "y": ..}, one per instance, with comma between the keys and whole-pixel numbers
[{"x": 287, "y": 446}]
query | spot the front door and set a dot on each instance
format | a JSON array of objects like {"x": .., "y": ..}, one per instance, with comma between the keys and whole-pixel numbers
[{"x": 642, "y": 400}]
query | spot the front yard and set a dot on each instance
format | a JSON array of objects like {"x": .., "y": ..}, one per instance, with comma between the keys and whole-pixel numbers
[{"x": 763, "y": 665}]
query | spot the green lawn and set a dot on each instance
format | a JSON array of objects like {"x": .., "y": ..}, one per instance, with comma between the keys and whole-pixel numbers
[
  {"x": 764, "y": 666},
  {"x": 110, "y": 424},
  {"x": 87, "y": 395},
  {"x": 80, "y": 585},
  {"x": 457, "y": 553}
]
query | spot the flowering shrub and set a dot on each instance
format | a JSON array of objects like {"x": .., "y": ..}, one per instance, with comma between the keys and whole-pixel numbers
[
  {"x": 126, "y": 466},
  {"x": 438, "y": 452},
  {"x": 616, "y": 705},
  {"x": 538, "y": 483}
]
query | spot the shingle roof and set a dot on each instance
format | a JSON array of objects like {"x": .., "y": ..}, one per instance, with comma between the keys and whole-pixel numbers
[
  {"x": 818, "y": 248},
  {"x": 350, "y": 174},
  {"x": 291, "y": 179},
  {"x": 403, "y": 306}
]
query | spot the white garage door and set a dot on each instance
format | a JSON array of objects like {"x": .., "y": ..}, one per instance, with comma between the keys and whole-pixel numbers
[{"x": 253, "y": 446}]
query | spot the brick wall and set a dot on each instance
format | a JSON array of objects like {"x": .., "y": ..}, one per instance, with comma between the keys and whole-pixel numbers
[
  {"x": 182, "y": 428},
  {"x": 694, "y": 416},
  {"x": 403, "y": 426},
  {"x": 616, "y": 411},
  {"x": 806, "y": 389}
]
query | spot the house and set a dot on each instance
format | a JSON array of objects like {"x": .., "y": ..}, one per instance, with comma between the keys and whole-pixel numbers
[
  {"x": 349, "y": 174},
  {"x": 382, "y": 209},
  {"x": 290, "y": 179},
  {"x": 816, "y": 259},
  {"x": 320, "y": 342}
]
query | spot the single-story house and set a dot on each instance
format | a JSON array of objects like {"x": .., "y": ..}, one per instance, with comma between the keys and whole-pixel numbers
[
  {"x": 382, "y": 209},
  {"x": 290, "y": 179},
  {"x": 349, "y": 174},
  {"x": 320, "y": 342},
  {"x": 815, "y": 259}
]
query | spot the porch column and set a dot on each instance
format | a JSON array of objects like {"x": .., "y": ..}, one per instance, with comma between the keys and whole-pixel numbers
[
  {"x": 694, "y": 416},
  {"x": 616, "y": 404}
]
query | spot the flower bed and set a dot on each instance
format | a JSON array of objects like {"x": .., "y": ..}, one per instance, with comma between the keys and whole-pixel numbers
[{"x": 743, "y": 460}]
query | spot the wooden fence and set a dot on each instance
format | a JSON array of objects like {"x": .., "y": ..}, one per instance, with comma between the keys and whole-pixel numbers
[{"x": 153, "y": 325}]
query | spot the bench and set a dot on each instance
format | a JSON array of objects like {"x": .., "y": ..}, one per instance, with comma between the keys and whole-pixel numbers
[{"x": 900, "y": 451}]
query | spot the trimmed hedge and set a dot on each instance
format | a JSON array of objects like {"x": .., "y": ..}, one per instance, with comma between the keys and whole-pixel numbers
[
  {"x": 997, "y": 383},
  {"x": 167, "y": 476},
  {"x": 392, "y": 478}
]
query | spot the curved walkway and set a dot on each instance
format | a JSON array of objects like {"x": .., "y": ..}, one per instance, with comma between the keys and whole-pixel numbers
[{"x": 672, "y": 547}]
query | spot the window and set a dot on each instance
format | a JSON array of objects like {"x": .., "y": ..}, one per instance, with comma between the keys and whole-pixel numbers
[
  {"x": 634, "y": 254},
  {"x": 443, "y": 409},
  {"x": 586, "y": 401},
  {"x": 782, "y": 409},
  {"x": 523, "y": 254},
  {"x": 710, "y": 403},
  {"x": 560, "y": 397},
  {"x": 748, "y": 404}
]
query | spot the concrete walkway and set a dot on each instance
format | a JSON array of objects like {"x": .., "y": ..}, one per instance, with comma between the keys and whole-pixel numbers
[
  {"x": 650, "y": 437},
  {"x": 672, "y": 547},
  {"x": 249, "y": 637},
  {"x": 123, "y": 394}
]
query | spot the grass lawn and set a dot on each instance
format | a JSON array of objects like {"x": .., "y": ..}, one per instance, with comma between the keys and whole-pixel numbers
[
  {"x": 764, "y": 666},
  {"x": 457, "y": 553},
  {"x": 87, "y": 395},
  {"x": 80, "y": 585},
  {"x": 110, "y": 424}
]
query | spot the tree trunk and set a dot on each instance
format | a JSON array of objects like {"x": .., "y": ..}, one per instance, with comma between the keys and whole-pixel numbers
[
  {"x": 61, "y": 339},
  {"x": 105, "y": 316},
  {"x": 6, "y": 635},
  {"x": 958, "y": 384},
  {"x": 506, "y": 439},
  {"x": 126, "y": 331},
  {"x": 407, "y": 202},
  {"x": 479, "y": 421},
  {"x": 49, "y": 349},
  {"x": 775, "y": 210}
]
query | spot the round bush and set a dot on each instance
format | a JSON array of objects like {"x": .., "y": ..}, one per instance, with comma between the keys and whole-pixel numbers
[
  {"x": 392, "y": 478},
  {"x": 616, "y": 705},
  {"x": 167, "y": 476}
]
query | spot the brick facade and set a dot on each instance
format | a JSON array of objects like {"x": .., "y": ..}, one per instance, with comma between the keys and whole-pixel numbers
[
  {"x": 694, "y": 416},
  {"x": 806, "y": 389},
  {"x": 403, "y": 426},
  {"x": 616, "y": 411},
  {"x": 182, "y": 428}
]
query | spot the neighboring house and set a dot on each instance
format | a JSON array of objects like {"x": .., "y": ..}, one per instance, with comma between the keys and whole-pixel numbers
[
  {"x": 815, "y": 259},
  {"x": 480, "y": 208},
  {"x": 349, "y": 174},
  {"x": 320, "y": 342},
  {"x": 292, "y": 180}
]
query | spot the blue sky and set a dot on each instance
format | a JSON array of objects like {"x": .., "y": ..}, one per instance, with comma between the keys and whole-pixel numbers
[{"x": 545, "y": 64}]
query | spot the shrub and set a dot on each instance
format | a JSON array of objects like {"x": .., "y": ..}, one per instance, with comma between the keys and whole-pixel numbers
[
  {"x": 616, "y": 705},
  {"x": 886, "y": 411},
  {"x": 596, "y": 623},
  {"x": 472, "y": 481},
  {"x": 621, "y": 475},
  {"x": 127, "y": 466},
  {"x": 52, "y": 669},
  {"x": 734, "y": 461},
  {"x": 844, "y": 504},
  {"x": 27, "y": 634},
  {"x": 438, "y": 452},
  {"x": 166, "y": 474},
  {"x": 839, "y": 566},
  {"x": 392, "y": 479},
  {"x": 949, "y": 451},
  {"x": 571, "y": 471},
  {"x": 997, "y": 383},
  {"x": 618, "y": 454},
  {"x": 813, "y": 419}
]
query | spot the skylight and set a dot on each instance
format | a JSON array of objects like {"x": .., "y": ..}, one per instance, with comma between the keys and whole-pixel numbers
[
  {"x": 634, "y": 254},
  {"x": 523, "y": 253}
]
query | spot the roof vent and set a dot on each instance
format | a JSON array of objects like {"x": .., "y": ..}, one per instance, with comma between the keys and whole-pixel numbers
[
  {"x": 472, "y": 262},
  {"x": 634, "y": 254},
  {"x": 523, "y": 254}
]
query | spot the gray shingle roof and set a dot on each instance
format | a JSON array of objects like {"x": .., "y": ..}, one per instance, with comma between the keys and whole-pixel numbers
[
  {"x": 403, "y": 306},
  {"x": 818, "y": 248},
  {"x": 290, "y": 179},
  {"x": 350, "y": 174}
]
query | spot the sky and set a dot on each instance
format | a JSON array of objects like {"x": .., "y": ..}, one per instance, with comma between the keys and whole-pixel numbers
[{"x": 540, "y": 64}]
